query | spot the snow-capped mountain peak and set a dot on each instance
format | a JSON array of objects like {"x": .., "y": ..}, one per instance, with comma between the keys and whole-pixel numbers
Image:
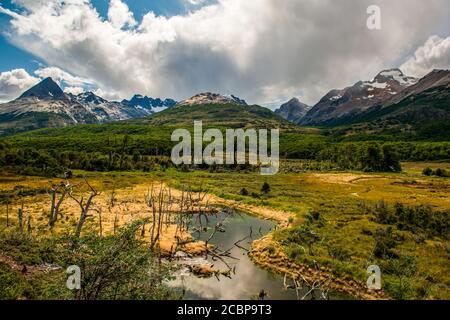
[
  {"x": 357, "y": 98},
  {"x": 211, "y": 98},
  {"x": 394, "y": 75},
  {"x": 47, "y": 97},
  {"x": 148, "y": 103},
  {"x": 90, "y": 98},
  {"x": 46, "y": 89}
]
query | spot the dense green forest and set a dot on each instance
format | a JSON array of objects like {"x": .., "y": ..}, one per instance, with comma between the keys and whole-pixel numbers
[{"x": 125, "y": 146}]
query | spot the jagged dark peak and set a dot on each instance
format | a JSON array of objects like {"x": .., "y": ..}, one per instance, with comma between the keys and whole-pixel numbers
[
  {"x": 46, "y": 89},
  {"x": 90, "y": 97},
  {"x": 293, "y": 110},
  {"x": 294, "y": 102},
  {"x": 394, "y": 74},
  {"x": 239, "y": 100},
  {"x": 139, "y": 100}
]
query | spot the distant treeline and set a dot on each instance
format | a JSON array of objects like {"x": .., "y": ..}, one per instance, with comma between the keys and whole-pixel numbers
[{"x": 50, "y": 155}]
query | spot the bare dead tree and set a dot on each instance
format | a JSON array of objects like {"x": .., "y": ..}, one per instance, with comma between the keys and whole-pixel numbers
[
  {"x": 299, "y": 282},
  {"x": 100, "y": 224},
  {"x": 29, "y": 225},
  {"x": 160, "y": 201},
  {"x": 65, "y": 189},
  {"x": 85, "y": 206},
  {"x": 7, "y": 211},
  {"x": 111, "y": 205},
  {"x": 20, "y": 216}
]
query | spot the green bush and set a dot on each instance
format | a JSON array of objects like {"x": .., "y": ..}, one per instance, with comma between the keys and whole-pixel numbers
[
  {"x": 265, "y": 188},
  {"x": 243, "y": 192},
  {"x": 419, "y": 219},
  {"x": 427, "y": 171}
]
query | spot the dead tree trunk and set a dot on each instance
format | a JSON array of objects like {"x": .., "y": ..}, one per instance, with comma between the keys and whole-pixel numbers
[
  {"x": 111, "y": 204},
  {"x": 55, "y": 205},
  {"x": 20, "y": 215},
  {"x": 7, "y": 212},
  {"x": 85, "y": 207},
  {"x": 29, "y": 225},
  {"x": 100, "y": 221}
]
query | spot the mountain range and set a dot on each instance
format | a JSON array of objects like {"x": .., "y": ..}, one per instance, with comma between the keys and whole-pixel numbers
[
  {"x": 391, "y": 99},
  {"x": 149, "y": 104},
  {"x": 390, "y": 96},
  {"x": 46, "y": 105}
]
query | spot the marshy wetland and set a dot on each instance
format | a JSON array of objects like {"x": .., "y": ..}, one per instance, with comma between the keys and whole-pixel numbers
[{"x": 307, "y": 235}]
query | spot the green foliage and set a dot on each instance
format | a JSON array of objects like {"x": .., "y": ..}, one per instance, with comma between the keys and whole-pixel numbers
[
  {"x": 265, "y": 188},
  {"x": 139, "y": 145},
  {"x": 303, "y": 235},
  {"x": 369, "y": 156},
  {"x": 420, "y": 219},
  {"x": 384, "y": 244},
  {"x": 255, "y": 195},
  {"x": 12, "y": 283},
  {"x": 243, "y": 192},
  {"x": 438, "y": 172},
  {"x": 441, "y": 173},
  {"x": 402, "y": 271},
  {"x": 338, "y": 253},
  {"x": 117, "y": 266},
  {"x": 427, "y": 171}
]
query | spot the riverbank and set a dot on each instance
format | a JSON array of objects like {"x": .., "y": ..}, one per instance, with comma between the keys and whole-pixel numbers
[{"x": 268, "y": 254}]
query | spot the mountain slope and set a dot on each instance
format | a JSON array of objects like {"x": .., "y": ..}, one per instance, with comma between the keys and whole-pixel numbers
[
  {"x": 147, "y": 103},
  {"x": 211, "y": 98},
  {"x": 231, "y": 115},
  {"x": 46, "y": 105},
  {"x": 422, "y": 110},
  {"x": 46, "y": 89},
  {"x": 293, "y": 110},
  {"x": 338, "y": 105}
]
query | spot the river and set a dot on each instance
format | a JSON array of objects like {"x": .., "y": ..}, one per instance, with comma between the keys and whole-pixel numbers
[{"x": 236, "y": 233}]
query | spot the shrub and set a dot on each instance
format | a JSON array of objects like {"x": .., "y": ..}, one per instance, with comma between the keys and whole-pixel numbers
[
  {"x": 295, "y": 252},
  {"x": 338, "y": 253},
  {"x": 441, "y": 173},
  {"x": 384, "y": 243},
  {"x": 265, "y": 188},
  {"x": 270, "y": 249},
  {"x": 427, "y": 171},
  {"x": 243, "y": 192},
  {"x": 420, "y": 219}
]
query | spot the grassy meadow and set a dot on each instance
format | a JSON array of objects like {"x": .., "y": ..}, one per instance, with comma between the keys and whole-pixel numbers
[{"x": 330, "y": 218}]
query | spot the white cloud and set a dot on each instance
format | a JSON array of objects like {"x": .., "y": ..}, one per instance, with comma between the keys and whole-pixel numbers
[
  {"x": 119, "y": 14},
  {"x": 196, "y": 2},
  {"x": 108, "y": 95},
  {"x": 62, "y": 77},
  {"x": 434, "y": 54},
  {"x": 74, "y": 90},
  {"x": 257, "y": 49},
  {"x": 14, "y": 82}
]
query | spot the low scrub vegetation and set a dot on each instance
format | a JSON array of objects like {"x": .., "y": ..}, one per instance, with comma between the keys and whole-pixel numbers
[{"x": 113, "y": 267}]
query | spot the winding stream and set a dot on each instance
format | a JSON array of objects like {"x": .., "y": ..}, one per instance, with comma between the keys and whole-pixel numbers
[{"x": 247, "y": 280}]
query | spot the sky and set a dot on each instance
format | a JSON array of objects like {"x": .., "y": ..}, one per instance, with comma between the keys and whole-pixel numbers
[{"x": 264, "y": 51}]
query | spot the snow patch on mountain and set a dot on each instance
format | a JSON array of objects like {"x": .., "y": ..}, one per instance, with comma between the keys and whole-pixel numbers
[{"x": 211, "y": 98}]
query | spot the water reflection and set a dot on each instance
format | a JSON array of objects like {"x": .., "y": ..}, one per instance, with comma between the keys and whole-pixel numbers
[{"x": 248, "y": 280}]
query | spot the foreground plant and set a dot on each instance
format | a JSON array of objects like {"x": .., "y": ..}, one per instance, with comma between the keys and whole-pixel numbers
[{"x": 112, "y": 267}]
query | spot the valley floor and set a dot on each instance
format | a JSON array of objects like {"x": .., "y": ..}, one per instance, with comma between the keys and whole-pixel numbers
[{"x": 326, "y": 220}]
